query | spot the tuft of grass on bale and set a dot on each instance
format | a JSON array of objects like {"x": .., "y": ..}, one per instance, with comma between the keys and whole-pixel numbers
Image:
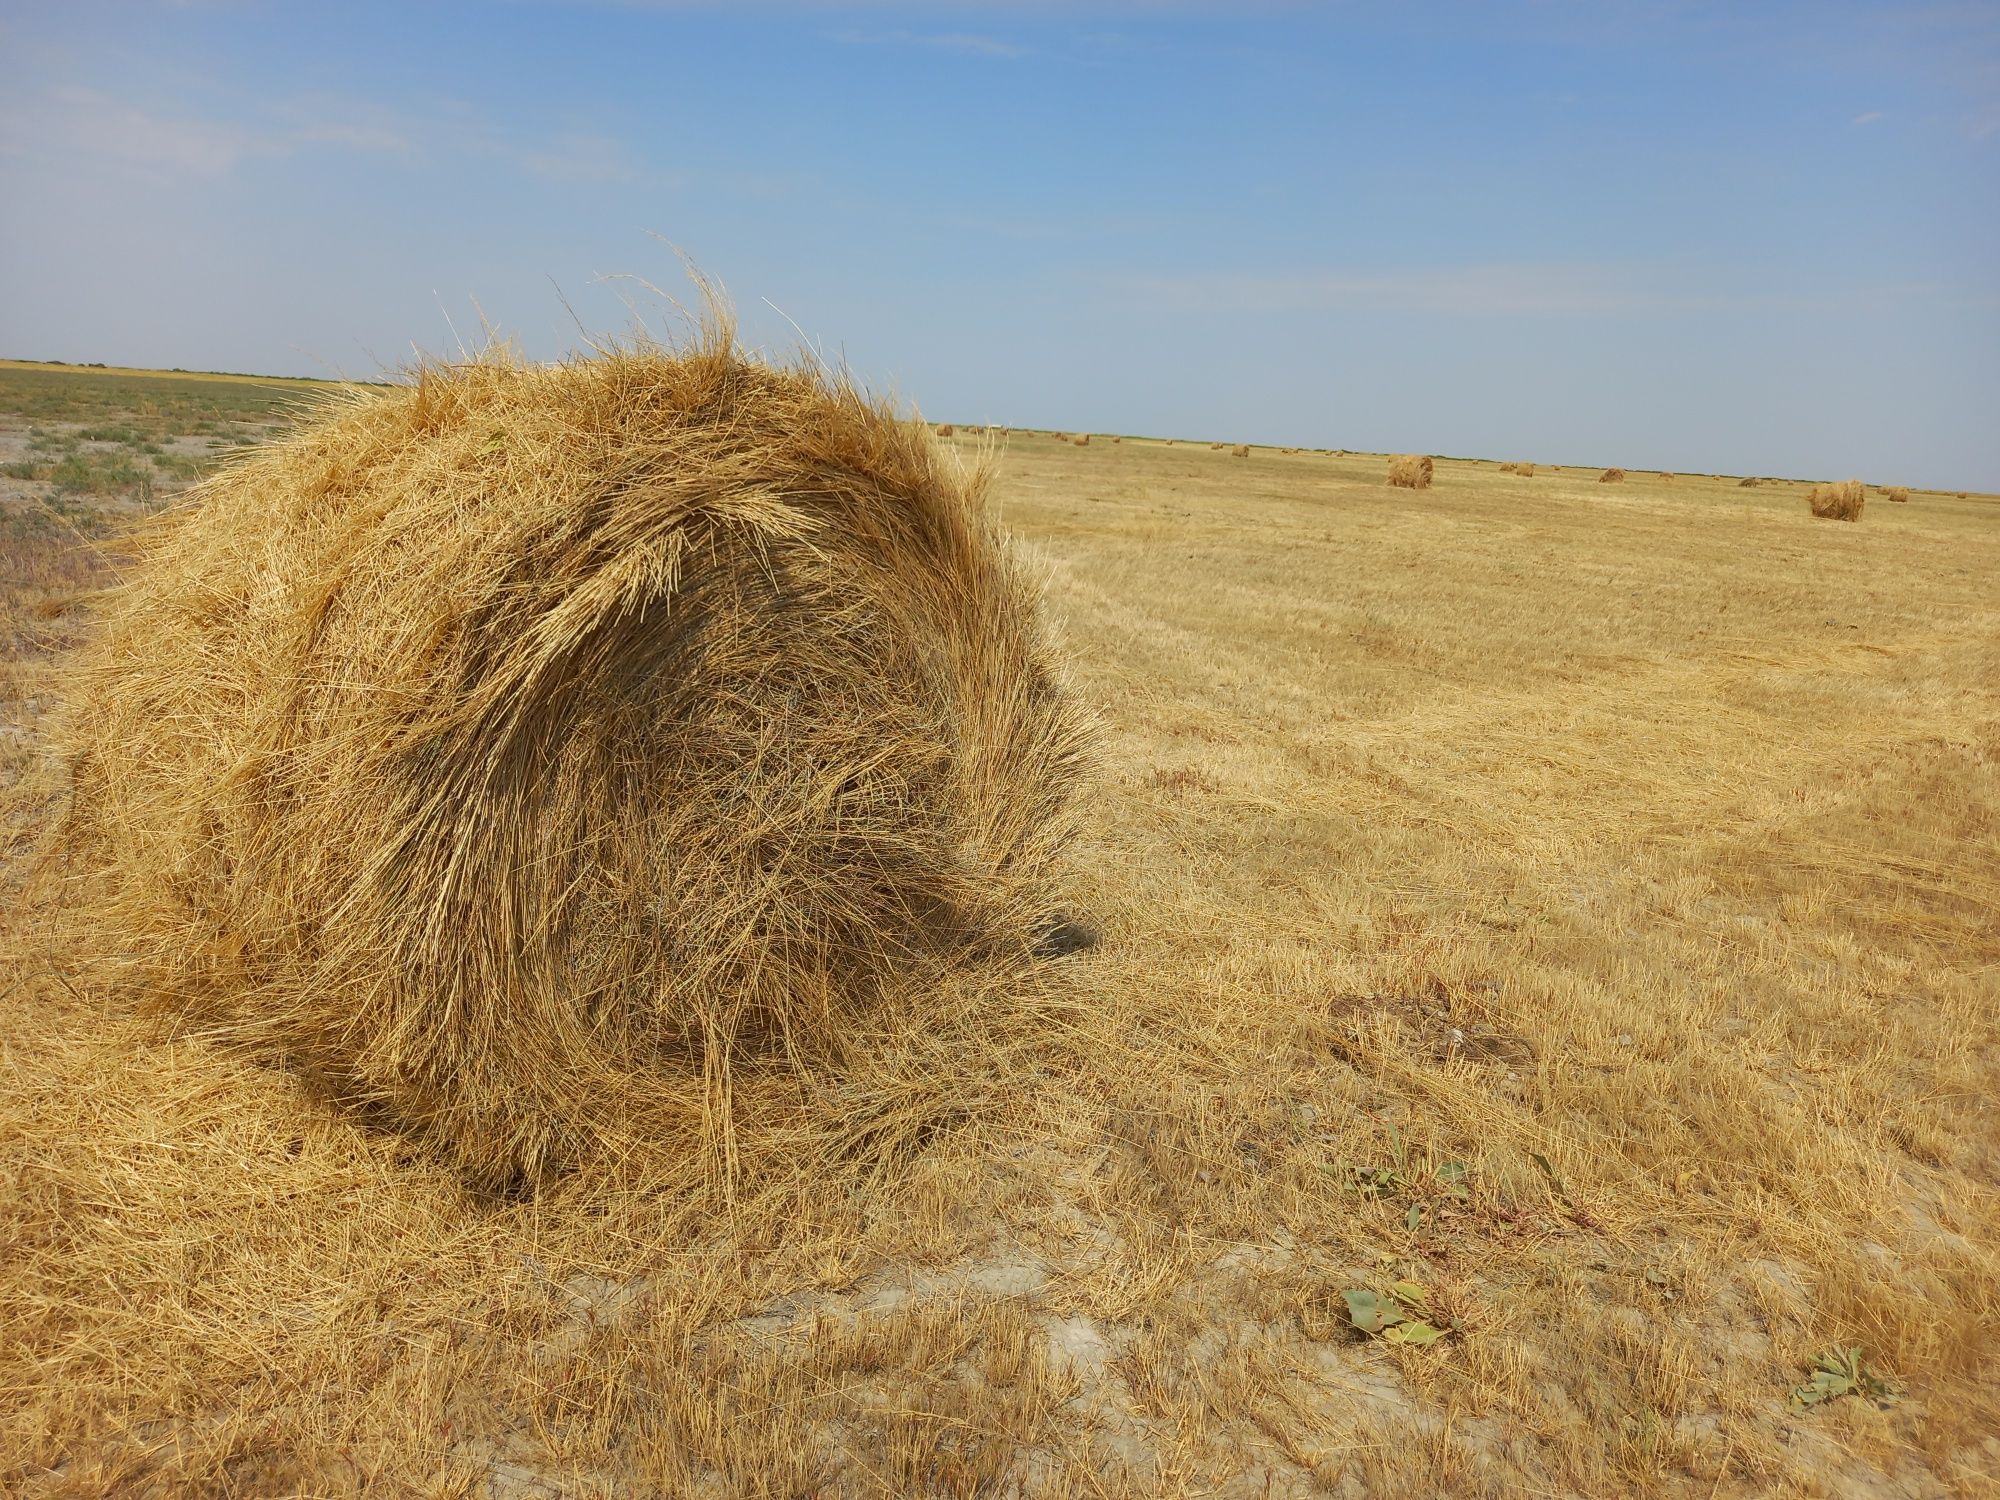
[
  {"x": 1411, "y": 471},
  {"x": 1838, "y": 502},
  {"x": 597, "y": 761},
  {"x": 1241, "y": 450},
  {"x": 1898, "y": 494},
  {"x": 1611, "y": 476}
]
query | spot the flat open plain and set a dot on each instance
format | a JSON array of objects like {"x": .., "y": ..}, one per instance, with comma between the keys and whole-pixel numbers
[{"x": 1578, "y": 903}]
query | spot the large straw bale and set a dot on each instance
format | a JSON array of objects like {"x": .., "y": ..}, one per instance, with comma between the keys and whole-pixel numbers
[
  {"x": 1411, "y": 471},
  {"x": 1837, "y": 502},
  {"x": 534, "y": 757}
]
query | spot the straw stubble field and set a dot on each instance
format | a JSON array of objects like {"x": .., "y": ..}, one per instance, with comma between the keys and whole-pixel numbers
[{"x": 1577, "y": 905}]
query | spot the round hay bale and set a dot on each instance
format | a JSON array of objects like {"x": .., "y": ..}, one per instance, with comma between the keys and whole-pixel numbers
[
  {"x": 1837, "y": 502},
  {"x": 1082, "y": 440},
  {"x": 1898, "y": 494},
  {"x": 1611, "y": 476},
  {"x": 542, "y": 759},
  {"x": 1411, "y": 471},
  {"x": 946, "y": 430},
  {"x": 1241, "y": 450},
  {"x": 1746, "y": 484}
]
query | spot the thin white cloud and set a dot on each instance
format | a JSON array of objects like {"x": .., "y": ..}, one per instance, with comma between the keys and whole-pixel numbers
[
  {"x": 357, "y": 137},
  {"x": 970, "y": 43},
  {"x": 1870, "y": 117},
  {"x": 167, "y": 146},
  {"x": 1535, "y": 289},
  {"x": 575, "y": 156},
  {"x": 96, "y": 124},
  {"x": 1478, "y": 290}
]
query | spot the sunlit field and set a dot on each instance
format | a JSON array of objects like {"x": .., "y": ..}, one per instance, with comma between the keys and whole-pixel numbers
[{"x": 1542, "y": 1041}]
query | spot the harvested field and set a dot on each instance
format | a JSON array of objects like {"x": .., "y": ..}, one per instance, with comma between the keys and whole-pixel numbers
[{"x": 1565, "y": 921}]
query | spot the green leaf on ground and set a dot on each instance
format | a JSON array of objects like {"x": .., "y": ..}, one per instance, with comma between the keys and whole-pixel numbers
[
  {"x": 1841, "y": 1372},
  {"x": 1371, "y": 1312}
]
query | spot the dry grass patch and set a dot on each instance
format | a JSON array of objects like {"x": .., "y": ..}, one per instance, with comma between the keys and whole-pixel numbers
[
  {"x": 1411, "y": 471},
  {"x": 1838, "y": 502}
]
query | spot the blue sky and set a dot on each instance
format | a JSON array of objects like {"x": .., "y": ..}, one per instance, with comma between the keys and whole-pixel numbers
[{"x": 1749, "y": 238}]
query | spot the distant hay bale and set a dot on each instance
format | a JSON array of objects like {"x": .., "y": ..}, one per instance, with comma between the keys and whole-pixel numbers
[
  {"x": 1838, "y": 502},
  {"x": 1746, "y": 484},
  {"x": 946, "y": 430},
  {"x": 1666, "y": 478},
  {"x": 1410, "y": 471},
  {"x": 1117, "y": 439},
  {"x": 1611, "y": 476},
  {"x": 1241, "y": 450},
  {"x": 541, "y": 758},
  {"x": 1525, "y": 470},
  {"x": 1960, "y": 495},
  {"x": 1898, "y": 494},
  {"x": 1217, "y": 447},
  {"x": 1061, "y": 437},
  {"x": 1082, "y": 440}
]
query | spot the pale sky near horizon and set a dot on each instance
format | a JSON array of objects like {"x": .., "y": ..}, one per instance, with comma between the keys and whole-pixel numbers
[{"x": 1658, "y": 233}]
